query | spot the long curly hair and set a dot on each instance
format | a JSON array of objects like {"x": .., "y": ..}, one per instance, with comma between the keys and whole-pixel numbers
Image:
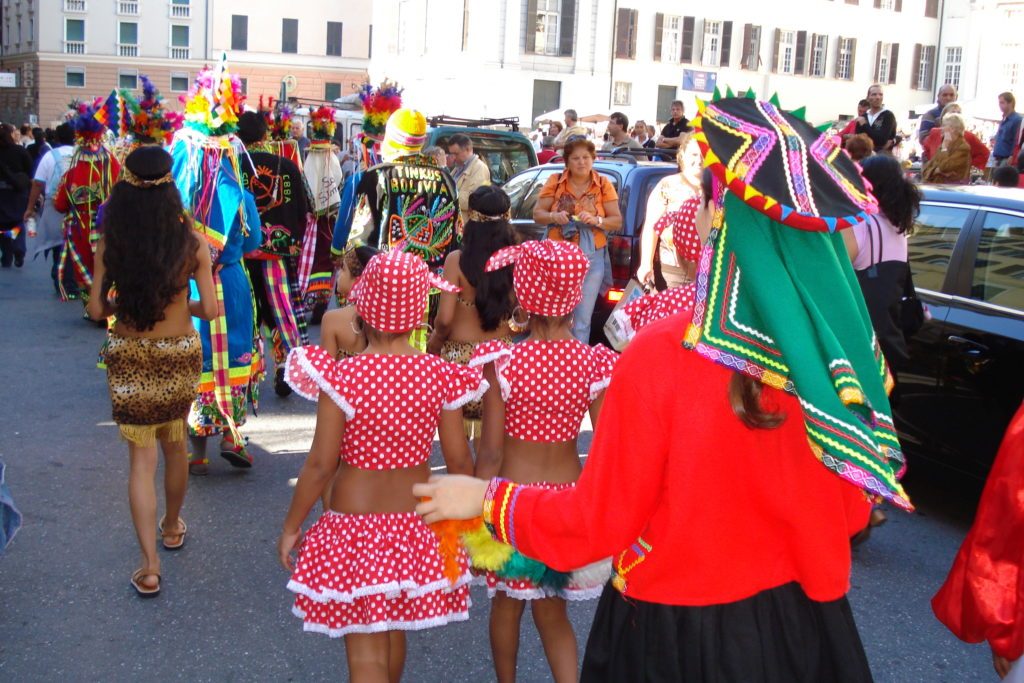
[
  {"x": 898, "y": 198},
  {"x": 150, "y": 244},
  {"x": 480, "y": 239}
]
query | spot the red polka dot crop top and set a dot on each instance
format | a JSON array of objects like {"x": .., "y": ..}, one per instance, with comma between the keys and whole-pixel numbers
[
  {"x": 547, "y": 386},
  {"x": 392, "y": 403}
]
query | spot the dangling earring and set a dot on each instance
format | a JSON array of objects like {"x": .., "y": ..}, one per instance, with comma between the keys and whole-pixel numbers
[
  {"x": 358, "y": 331},
  {"x": 519, "y": 321},
  {"x": 428, "y": 326}
]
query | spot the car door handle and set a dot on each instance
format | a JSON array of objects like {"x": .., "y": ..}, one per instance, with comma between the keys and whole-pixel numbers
[{"x": 968, "y": 346}]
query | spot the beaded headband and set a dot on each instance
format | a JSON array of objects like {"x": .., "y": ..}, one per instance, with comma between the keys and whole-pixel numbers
[
  {"x": 135, "y": 180},
  {"x": 478, "y": 217}
]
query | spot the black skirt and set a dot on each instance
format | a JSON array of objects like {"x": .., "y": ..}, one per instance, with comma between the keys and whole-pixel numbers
[{"x": 776, "y": 635}]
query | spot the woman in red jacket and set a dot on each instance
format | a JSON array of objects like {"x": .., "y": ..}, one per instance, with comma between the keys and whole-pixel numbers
[{"x": 714, "y": 423}]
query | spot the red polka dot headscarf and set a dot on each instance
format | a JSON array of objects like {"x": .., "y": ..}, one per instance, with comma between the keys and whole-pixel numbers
[
  {"x": 391, "y": 294},
  {"x": 548, "y": 276}
]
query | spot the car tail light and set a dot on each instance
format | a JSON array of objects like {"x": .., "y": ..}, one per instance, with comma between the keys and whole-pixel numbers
[
  {"x": 615, "y": 295},
  {"x": 620, "y": 251}
]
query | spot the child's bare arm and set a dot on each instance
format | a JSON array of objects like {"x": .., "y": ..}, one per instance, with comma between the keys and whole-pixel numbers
[
  {"x": 98, "y": 306},
  {"x": 488, "y": 460},
  {"x": 454, "y": 445},
  {"x": 206, "y": 307}
]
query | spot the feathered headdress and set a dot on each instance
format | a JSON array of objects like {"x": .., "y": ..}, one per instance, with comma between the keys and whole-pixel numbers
[
  {"x": 378, "y": 105},
  {"x": 213, "y": 103},
  {"x": 82, "y": 117},
  {"x": 152, "y": 120},
  {"x": 322, "y": 123},
  {"x": 279, "y": 118},
  {"x": 118, "y": 112}
]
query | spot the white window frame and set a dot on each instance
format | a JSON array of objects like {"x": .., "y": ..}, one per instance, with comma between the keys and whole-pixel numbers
[
  {"x": 127, "y": 49},
  {"x": 622, "y": 94},
  {"x": 75, "y": 70},
  {"x": 178, "y": 51},
  {"x": 1011, "y": 63},
  {"x": 134, "y": 73},
  {"x": 951, "y": 74},
  {"x": 711, "y": 47},
  {"x": 888, "y": 5},
  {"x": 178, "y": 74},
  {"x": 671, "y": 39},
  {"x": 754, "y": 46},
  {"x": 926, "y": 70},
  {"x": 845, "y": 57},
  {"x": 787, "y": 52},
  {"x": 819, "y": 54},
  {"x": 74, "y": 47},
  {"x": 180, "y": 9},
  {"x": 549, "y": 22},
  {"x": 882, "y": 68}
]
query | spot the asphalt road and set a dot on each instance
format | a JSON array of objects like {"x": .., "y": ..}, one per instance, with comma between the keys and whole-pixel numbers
[{"x": 67, "y": 612}]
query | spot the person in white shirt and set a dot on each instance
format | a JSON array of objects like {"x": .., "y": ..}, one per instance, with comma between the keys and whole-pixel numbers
[{"x": 50, "y": 225}]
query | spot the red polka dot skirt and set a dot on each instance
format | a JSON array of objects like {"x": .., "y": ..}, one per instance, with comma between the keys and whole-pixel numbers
[{"x": 372, "y": 573}]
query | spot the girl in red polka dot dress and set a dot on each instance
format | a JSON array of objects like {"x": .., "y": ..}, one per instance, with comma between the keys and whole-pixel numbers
[
  {"x": 539, "y": 392},
  {"x": 369, "y": 568}
]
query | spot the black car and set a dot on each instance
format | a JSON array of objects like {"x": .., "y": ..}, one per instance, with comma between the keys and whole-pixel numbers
[
  {"x": 965, "y": 378},
  {"x": 634, "y": 178}
]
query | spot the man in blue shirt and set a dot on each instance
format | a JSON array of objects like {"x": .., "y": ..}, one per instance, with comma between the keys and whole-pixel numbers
[
  {"x": 1008, "y": 133},
  {"x": 947, "y": 94}
]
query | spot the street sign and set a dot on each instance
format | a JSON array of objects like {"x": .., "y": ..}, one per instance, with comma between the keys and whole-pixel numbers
[
  {"x": 8, "y": 79},
  {"x": 699, "y": 81}
]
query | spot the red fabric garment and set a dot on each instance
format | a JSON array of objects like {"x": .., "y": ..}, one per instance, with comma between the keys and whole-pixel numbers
[
  {"x": 983, "y": 597},
  {"x": 544, "y": 156},
  {"x": 694, "y": 507},
  {"x": 850, "y": 129},
  {"x": 979, "y": 152}
]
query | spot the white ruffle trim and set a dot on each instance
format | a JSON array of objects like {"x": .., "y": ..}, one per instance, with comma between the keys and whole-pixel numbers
[
  {"x": 570, "y": 594},
  {"x": 392, "y": 589},
  {"x": 468, "y": 397},
  {"x": 486, "y": 358},
  {"x": 299, "y": 356},
  {"x": 597, "y": 387},
  {"x": 379, "y": 626},
  {"x": 504, "y": 355}
]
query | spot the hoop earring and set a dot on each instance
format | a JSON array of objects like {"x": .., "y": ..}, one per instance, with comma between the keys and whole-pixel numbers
[
  {"x": 428, "y": 326},
  {"x": 358, "y": 331},
  {"x": 517, "y": 325}
]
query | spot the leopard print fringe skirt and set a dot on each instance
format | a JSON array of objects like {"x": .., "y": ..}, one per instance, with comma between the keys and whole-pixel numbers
[{"x": 152, "y": 383}]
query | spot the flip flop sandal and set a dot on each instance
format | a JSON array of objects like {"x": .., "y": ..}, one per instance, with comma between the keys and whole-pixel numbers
[
  {"x": 177, "y": 537},
  {"x": 143, "y": 590},
  {"x": 235, "y": 454}
]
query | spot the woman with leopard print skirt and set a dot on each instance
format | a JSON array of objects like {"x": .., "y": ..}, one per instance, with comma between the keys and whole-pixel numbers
[{"x": 144, "y": 261}]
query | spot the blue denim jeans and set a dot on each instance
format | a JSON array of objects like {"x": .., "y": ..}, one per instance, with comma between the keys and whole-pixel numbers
[
  {"x": 593, "y": 283},
  {"x": 10, "y": 518}
]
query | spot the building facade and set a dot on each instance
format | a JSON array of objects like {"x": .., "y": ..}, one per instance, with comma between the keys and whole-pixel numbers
[
  {"x": 525, "y": 57},
  {"x": 59, "y": 50}
]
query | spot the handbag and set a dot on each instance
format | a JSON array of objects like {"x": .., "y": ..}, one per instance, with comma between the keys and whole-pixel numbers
[{"x": 911, "y": 308}]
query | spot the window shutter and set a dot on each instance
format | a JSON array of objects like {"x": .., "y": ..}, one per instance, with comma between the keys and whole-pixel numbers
[
  {"x": 878, "y": 4},
  {"x": 686, "y": 55},
  {"x": 659, "y": 29},
  {"x": 839, "y": 51},
  {"x": 931, "y": 9},
  {"x": 853, "y": 55},
  {"x": 800, "y": 62},
  {"x": 916, "y": 71},
  {"x": 531, "y": 27},
  {"x": 726, "y": 43},
  {"x": 875, "y": 76},
  {"x": 899, "y": 5},
  {"x": 894, "y": 57},
  {"x": 622, "y": 34},
  {"x": 775, "y": 51},
  {"x": 634, "y": 16},
  {"x": 567, "y": 26},
  {"x": 745, "y": 48}
]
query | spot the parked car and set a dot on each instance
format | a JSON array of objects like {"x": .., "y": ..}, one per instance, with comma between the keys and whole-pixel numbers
[
  {"x": 633, "y": 177},
  {"x": 498, "y": 142},
  {"x": 965, "y": 378}
]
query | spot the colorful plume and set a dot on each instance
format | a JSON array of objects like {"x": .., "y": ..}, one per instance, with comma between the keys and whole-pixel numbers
[
  {"x": 152, "y": 121},
  {"x": 378, "y": 105},
  {"x": 322, "y": 123},
  {"x": 82, "y": 117},
  {"x": 215, "y": 100}
]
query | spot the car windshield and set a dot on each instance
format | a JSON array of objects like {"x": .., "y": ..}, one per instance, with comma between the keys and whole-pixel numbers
[{"x": 505, "y": 157}]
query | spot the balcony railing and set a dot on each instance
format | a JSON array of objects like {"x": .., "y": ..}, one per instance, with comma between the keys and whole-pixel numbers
[
  {"x": 128, "y": 7},
  {"x": 74, "y": 47},
  {"x": 125, "y": 50},
  {"x": 74, "y": 6},
  {"x": 180, "y": 53},
  {"x": 181, "y": 11}
]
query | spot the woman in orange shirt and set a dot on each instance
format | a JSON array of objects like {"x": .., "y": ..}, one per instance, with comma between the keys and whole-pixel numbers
[{"x": 580, "y": 206}]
